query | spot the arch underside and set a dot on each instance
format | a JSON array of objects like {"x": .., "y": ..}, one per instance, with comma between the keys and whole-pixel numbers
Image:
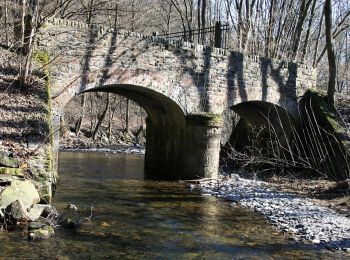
[
  {"x": 262, "y": 113},
  {"x": 267, "y": 119},
  {"x": 165, "y": 126}
]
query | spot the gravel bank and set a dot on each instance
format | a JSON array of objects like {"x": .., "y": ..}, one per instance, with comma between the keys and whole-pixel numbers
[
  {"x": 299, "y": 216},
  {"x": 125, "y": 150}
]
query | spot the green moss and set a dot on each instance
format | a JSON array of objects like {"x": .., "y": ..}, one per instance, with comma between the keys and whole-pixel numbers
[
  {"x": 325, "y": 115},
  {"x": 44, "y": 25},
  {"x": 331, "y": 133},
  {"x": 12, "y": 171},
  {"x": 207, "y": 119},
  {"x": 43, "y": 57}
]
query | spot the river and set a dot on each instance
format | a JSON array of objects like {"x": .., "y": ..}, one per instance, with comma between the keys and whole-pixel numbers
[{"x": 133, "y": 218}]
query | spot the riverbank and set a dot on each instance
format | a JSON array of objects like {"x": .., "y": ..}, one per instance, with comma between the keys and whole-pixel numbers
[
  {"x": 27, "y": 167},
  {"x": 125, "y": 149},
  {"x": 304, "y": 218},
  {"x": 120, "y": 138}
]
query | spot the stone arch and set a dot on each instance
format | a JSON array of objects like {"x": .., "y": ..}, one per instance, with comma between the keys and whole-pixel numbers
[
  {"x": 268, "y": 118},
  {"x": 165, "y": 126}
]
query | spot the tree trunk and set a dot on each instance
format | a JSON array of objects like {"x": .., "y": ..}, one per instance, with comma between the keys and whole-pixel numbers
[
  {"x": 317, "y": 40},
  {"x": 101, "y": 117},
  {"x": 204, "y": 9},
  {"x": 33, "y": 21},
  {"x": 116, "y": 16},
  {"x": 6, "y": 23},
  {"x": 305, "y": 4},
  {"x": 79, "y": 122},
  {"x": 127, "y": 115},
  {"x": 110, "y": 118},
  {"x": 199, "y": 20},
  {"x": 306, "y": 42},
  {"x": 91, "y": 12},
  {"x": 132, "y": 15},
  {"x": 22, "y": 79},
  {"x": 332, "y": 67},
  {"x": 270, "y": 29}
]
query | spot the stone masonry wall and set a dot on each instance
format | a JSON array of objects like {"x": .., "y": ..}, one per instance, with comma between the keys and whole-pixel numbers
[{"x": 198, "y": 78}]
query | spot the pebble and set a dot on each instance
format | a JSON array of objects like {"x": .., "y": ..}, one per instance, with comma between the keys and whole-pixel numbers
[{"x": 297, "y": 215}]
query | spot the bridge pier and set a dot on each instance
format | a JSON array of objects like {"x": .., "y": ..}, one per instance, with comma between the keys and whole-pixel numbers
[
  {"x": 164, "y": 137},
  {"x": 183, "y": 151},
  {"x": 202, "y": 146}
]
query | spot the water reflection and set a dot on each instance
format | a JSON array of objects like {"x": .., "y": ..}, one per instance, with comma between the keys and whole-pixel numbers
[{"x": 142, "y": 219}]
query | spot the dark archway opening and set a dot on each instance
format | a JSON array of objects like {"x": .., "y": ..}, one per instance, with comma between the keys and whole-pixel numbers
[
  {"x": 165, "y": 129},
  {"x": 260, "y": 135}
]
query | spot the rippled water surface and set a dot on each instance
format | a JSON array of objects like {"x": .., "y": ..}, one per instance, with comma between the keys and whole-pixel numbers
[{"x": 134, "y": 218}]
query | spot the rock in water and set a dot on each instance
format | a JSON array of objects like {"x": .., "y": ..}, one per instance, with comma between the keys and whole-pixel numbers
[
  {"x": 43, "y": 232},
  {"x": 19, "y": 190},
  {"x": 38, "y": 210},
  {"x": 16, "y": 211},
  {"x": 71, "y": 224},
  {"x": 72, "y": 207}
]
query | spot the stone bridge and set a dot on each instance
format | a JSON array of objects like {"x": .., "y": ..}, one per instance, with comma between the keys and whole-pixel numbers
[{"x": 183, "y": 87}]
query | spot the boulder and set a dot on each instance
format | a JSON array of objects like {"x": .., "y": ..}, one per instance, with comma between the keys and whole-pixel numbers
[
  {"x": 23, "y": 191},
  {"x": 8, "y": 161},
  {"x": 36, "y": 225},
  {"x": 16, "y": 211},
  {"x": 36, "y": 211},
  {"x": 45, "y": 191}
]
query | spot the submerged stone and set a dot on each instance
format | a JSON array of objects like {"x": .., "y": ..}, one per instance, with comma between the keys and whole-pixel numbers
[
  {"x": 41, "y": 233},
  {"x": 71, "y": 224}
]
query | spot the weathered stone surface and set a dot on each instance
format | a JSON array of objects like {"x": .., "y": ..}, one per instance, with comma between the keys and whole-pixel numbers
[
  {"x": 41, "y": 233},
  {"x": 11, "y": 171},
  {"x": 7, "y": 179},
  {"x": 7, "y": 161},
  {"x": 45, "y": 191},
  {"x": 172, "y": 81},
  {"x": 35, "y": 225},
  {"x": 37, "y": 210},
  {"x": 16, "y": 211},
  {"x": 19, "y": 190}
]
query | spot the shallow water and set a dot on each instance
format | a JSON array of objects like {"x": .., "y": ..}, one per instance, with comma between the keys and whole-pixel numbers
[{"x": 134, "y": 218}]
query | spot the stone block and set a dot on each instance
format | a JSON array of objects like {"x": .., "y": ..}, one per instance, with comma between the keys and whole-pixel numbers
[
  {"x": 16, "y": 211},
  {"x": 19, "y": 190}
]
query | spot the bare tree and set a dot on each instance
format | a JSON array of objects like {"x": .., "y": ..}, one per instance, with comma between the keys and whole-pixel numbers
[{"x": 332, "y": 67}]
